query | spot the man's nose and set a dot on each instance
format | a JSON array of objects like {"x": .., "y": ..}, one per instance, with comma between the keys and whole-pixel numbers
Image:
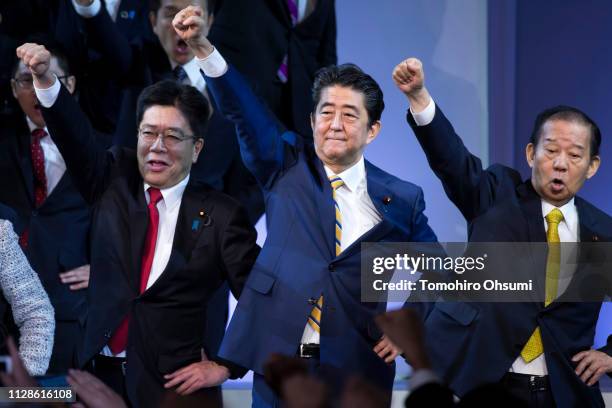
[{"x": 337, "y": 121}]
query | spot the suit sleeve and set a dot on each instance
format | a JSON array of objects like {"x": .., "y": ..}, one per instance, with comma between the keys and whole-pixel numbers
[
  {"x": 238, "y": 249},
  {"x": 259, "y": 133},
  {"x": 87, "y": 162},
  {"x": 466, "y": 183}
]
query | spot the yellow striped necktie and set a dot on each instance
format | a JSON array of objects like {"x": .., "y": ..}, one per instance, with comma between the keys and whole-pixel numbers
[
  {"x": 534, "y": 347},
  {"x": 314, "y": 319}
]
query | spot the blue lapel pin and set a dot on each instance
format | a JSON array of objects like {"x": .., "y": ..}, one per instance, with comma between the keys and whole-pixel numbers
[{"x": 194, "y": 225}]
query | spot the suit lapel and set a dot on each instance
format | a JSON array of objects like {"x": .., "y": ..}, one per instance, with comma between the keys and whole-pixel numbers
[
  {"x": 321, "y": 189},
  {"x": 22, "y": 146},
  {"x": 138, "y": 222},
  {"x": 281, "y": 10}
]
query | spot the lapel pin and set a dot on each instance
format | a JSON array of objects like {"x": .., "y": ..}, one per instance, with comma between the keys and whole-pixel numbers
[
  {"x": 595, "y": 238},
  {"x": 194, "y": 225},
  {"x": 124, "y": 14},
  {"x": 206, "y": 220},
  {"x": 386, "y": 200}
]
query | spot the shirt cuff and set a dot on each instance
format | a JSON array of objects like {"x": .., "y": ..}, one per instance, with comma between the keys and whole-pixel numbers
[
  {"x": 87, "y": 11},
  {"x": 422, "y": 377},
  {"x": 425, "y": 117},
  {"x": 48, "y": 96},
  {"x": 214, "y": 65}
]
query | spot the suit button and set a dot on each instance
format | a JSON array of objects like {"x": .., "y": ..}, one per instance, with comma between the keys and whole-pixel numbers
[
  {"x": 312, "y": 301},
  {"x": 331, "y": 267}
]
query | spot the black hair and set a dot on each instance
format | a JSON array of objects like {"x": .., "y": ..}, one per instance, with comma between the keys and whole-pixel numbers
[
  {"x": 568, "y": 114},
  {"x": 350, "y": 76},
  {"x": 192, "y": 104}
]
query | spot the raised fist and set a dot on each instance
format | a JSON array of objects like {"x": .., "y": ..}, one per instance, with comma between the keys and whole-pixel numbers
[{"x": 35, "y": 57}]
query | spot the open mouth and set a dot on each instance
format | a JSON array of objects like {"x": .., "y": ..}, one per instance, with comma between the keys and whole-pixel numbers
[
  {"x": 181, "y": 47},
  {"x": 157, "y": 165},
  {"x": 557, "y": 185}
]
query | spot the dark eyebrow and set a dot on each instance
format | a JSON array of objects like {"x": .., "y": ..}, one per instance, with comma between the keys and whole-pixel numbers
[{"x": 352, "y": 107}]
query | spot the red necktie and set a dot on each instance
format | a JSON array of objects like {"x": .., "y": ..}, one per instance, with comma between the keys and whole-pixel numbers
[
  {"x": 38, "y": 164},
  {"x": 40, "y": 178},
  {"x": 118, "y": 341}
]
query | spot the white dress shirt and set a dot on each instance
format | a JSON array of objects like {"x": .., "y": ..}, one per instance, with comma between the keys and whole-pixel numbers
[
  {"x": 358, "y": 217},
  {"x": 112, "y": 6},
  {"x": 55, "y": 167},
  {"x": 568, "y": 232},
  {"x": 192, "y": 69}
]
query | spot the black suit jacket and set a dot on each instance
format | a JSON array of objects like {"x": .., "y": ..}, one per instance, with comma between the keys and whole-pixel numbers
[
  {"x": 476, "y": 343},
  {"x": 58, "y": 237},
  {"x": 247, "y": 31},
  {"x": 213, "y": 243}
]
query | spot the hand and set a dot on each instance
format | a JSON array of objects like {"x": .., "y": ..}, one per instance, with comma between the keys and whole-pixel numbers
[
  {"x": 198, "y": 375},
  {"x": 592, "y": 364},
  {"x": 409, "y": 77},
  {"x": 190, "y": 26},
  {"x": 279, "y": 368},
  {"x": 359, "y": 393},
  {"x": 404, "y": 327},
  {"x": 78, "y": 277},
  {"x": 19, "y": 377},
  {"x": 92, "y": 392},
  {"x": 35, "y": 57},
  {"x": 387, "y": 350}
]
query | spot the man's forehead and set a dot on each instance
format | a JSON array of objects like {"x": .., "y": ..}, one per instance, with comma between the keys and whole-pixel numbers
[
  {"x": 181, "y": 4},
  {"x": 342, "y": 94}
]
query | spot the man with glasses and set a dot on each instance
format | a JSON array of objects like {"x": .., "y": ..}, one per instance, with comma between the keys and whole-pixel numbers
[
  {"x": 52, "y": 218},
  {"x": 161, "y": 245}
]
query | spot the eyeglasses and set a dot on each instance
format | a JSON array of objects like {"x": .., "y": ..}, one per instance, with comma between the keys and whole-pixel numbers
[
  {"x": 26, "y": 82},
  {"x": 170, "y": 137}
]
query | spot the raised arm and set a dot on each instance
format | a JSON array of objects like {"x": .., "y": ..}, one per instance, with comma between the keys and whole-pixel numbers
[
  {"x": 87, "y": 162},
  {"x": 260, "y": 134},
  {"x": 471, "y": 188}
]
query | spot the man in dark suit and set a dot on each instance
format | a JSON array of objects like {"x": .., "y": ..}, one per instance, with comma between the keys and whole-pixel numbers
[
  {"x": 53, "y": 219},
  {"x": 289, "y": 39},
  {"x": 161, "y": 244},
  {"x": 304, "y": 294},
  {"x": 540, "y": 352}
]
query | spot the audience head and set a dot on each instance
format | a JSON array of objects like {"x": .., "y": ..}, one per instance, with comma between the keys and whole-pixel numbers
[
  {"x": 347, "y": 105},
  {"x": 563, "y": 152},
  {"x": 161, "y": 14},
  {"x": 179, "y": 113},
  {"x": 22, "y": 83}
]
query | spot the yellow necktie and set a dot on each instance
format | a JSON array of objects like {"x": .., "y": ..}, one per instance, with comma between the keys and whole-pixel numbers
[
  {"x": 534, "y": 347},
  {"x": 314, "y": 319}
]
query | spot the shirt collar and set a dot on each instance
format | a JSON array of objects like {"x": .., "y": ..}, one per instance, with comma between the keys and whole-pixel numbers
[
  {"x": 570, "y": 215},
  {"x": 193, "y": 71},
  {"x": 353, "y": 177},
  {"x": 171, "y": 195}
]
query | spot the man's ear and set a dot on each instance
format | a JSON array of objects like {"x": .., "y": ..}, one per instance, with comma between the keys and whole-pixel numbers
[
  {"x": 71, "y": 83},
  {"x": 198, "y": 146},
  {"x": 373, "y": 131},
  {"x": 530, "y": 154},
  {"x": 593, "y": 166}
]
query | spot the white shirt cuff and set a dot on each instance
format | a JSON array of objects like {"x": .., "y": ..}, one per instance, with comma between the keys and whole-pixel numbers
[
  {"x": 47, "y": 97},
  {"x": 421, "y": 377},
  {"x": 214, "y": 65},
  {"x": 425, "y": 117},
  {"x": 87, "y": 11}
]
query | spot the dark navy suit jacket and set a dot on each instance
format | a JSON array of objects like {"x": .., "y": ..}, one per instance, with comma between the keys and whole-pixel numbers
[
  {"x": 476, "y": 343},
  {"x": 298, "y": 260}
]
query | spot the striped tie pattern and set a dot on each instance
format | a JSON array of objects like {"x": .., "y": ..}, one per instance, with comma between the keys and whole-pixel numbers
[
  {"x": 283, "y": 70},
  {"x": 314, "y": 320},
  {"x": 534, "y": 347}
]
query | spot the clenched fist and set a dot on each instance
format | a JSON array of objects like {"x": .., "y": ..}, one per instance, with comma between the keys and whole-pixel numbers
[
  {"x": 409, "y": 77},
  {"x": 36, "y": 57},
  {"x": 190, "y": 26}
]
